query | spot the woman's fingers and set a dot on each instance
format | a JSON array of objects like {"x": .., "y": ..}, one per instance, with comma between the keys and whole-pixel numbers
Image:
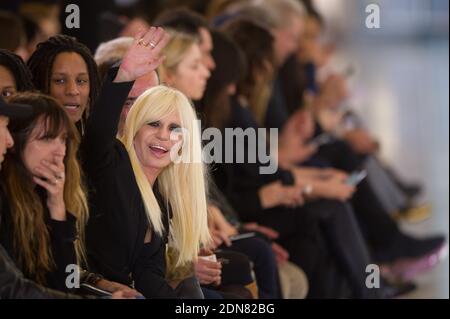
[
  {"x": 52, "y": 176},
  {"x": 44, "y": 183},
  {"x": 217, "y": 240},
  {"x": 225, "y": 239},
  {"x": 56, "y": 169},
  {"x": 210, "y": 267},
  {"x": 206, "y": 280},
  {"x": 47, "y": 174},
  {"x": 293, "y": 196},
  {"x": 147, "y": 37},
  {"x": 207, "y": 271},
  {"x": 140, "y": 34},
  {"x": 269, "y": 232},
  {"x": 156, "y": 39},
  {"x": 160, "y": 41},
  {"x": 280, "y": 251}
]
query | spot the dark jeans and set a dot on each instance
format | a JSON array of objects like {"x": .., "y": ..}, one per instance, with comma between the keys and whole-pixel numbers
[
  {"x": 324, "y": 239},
  {"x": 260, "y": 253},
  {"x": 189, "y": 288},
  {"x": 378, "y": 227}
]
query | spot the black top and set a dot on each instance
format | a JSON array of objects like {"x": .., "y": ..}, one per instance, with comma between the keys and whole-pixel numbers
[
  {"x": 118, "y": 221},
  {"x": 62, "y": 237},
  {"x": 277, "y": 113},
  {"x": 240, "y": 182}
]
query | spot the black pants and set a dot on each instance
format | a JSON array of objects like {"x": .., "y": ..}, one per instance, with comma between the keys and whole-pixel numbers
[
  {"x": 260, "y": 253},
  {"x": 323, "y": 238},
  {"x": 378, "y": 227}
]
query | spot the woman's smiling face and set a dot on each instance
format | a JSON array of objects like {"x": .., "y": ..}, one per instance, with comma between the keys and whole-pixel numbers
[{"x": 154, "y": 141}]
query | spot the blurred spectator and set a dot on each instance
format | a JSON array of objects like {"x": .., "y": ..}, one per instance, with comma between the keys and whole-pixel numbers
[
  {"x": 12, "y": 34},
  {"x": 45, "y": 13}
]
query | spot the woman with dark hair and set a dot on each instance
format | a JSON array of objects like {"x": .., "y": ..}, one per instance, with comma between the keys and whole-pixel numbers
[
  {"x": 65, "y": 69},
  {"x": 14, "y": 75},
  {"x": 44, "y": 206},
  {"x": 12, "y": 34},
  {"x": 322, "y": 237},
  {"x": 215, "y": 104},
  {"x": 215, "y": 111},
  {"x": 36, "y": 228}
]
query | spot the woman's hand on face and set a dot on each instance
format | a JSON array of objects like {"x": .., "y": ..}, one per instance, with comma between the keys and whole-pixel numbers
[
  {"x": 51, "y": 176},
  {"x": 143, "y": 56}
]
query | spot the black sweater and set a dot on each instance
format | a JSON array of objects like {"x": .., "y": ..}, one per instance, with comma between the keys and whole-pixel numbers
[
  {"x": 62, "y": 236},
  {"x": 118, "y": 222},
  {"x": 240, "y": 182}
]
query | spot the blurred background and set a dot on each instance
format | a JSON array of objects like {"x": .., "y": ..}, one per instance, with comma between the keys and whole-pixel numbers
[{"x": 399, "y": 82}]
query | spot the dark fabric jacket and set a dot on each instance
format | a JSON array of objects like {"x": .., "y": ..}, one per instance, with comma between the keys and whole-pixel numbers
[
  {"x": 14, "y": 286},
  {"x": 118, "y": 222}
]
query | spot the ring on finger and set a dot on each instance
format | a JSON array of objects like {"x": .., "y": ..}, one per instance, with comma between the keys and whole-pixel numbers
[
  {"x": 152, "y": 44},
  {"x": 142, "y": 42}
]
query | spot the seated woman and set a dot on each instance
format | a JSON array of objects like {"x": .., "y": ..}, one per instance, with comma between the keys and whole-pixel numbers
[
  {"x": 43, "y": 213},
  {"x": 185, "y": 70},
  {"x": 14, "y": 75},
  {"x": 322, "y": 237},
  {"x": 127, "y": 233}
]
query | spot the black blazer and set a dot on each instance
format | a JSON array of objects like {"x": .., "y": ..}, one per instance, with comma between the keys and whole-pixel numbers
[{"x": 118, "y": 222}]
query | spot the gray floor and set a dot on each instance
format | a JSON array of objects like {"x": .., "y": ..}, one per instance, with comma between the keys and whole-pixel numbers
[{"x": 401, "y": 90}]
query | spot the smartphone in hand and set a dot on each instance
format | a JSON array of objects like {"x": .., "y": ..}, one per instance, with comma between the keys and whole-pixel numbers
[
  {"x": 242, "y": 236},
  {"x": 356, "y": 177},
  {"x": 322, "y": 139}
]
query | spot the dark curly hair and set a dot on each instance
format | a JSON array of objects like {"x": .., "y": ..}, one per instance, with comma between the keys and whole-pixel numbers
[{"x": 41, "y": 64}]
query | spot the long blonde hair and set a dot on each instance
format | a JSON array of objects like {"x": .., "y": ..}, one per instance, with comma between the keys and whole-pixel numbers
[
  {"x": 30, "y": 234},
  {"x": 182, "y": 185}
]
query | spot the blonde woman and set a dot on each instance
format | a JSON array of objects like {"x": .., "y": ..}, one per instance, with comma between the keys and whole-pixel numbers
[
  {"x": 183, "y": 68},
  {"x": 136, "y": 184}
]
